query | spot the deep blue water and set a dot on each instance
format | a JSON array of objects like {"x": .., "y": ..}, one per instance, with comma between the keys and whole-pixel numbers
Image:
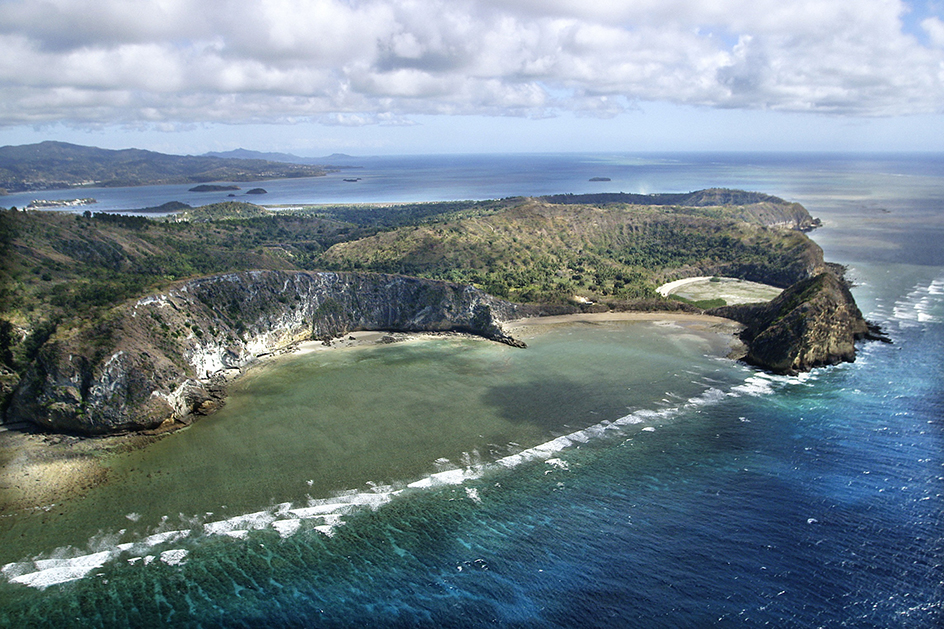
[{"x": 780, "y": 502}]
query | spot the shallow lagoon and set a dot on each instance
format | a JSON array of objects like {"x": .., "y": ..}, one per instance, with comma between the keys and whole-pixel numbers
[{"x": 347, "y": 419}]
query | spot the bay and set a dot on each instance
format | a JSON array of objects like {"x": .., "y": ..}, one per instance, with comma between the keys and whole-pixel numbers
[{"x": 726, "y": 498}]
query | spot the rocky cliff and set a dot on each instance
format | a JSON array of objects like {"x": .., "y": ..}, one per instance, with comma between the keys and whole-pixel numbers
[
  {"x": 157, "y": 360},
  {"x": 813, "y": 323}
]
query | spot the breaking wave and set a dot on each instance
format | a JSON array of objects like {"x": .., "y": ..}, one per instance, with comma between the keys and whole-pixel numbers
[{"x": 325, "y": 515}]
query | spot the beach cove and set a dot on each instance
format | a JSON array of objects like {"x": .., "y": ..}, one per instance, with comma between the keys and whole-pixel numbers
[
  {"x": 419, "y": 441},
  {"x": 738, "y": 499}
]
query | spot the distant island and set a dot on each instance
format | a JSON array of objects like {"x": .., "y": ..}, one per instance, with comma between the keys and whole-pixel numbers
[
  {"x": 599, "y": 179},
  {"x": 58, "y": 165},
  {"x": 331, "y": 162},
  {"x": 257, "y": 191},
  {"x": 212, "y": 188},
  {"x": 117, "y": 323}
]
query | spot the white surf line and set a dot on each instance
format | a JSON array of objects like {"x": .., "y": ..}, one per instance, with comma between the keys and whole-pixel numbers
[
  {"x": 327, "y": 514},
  {"x": 667, "y": 289},
  {"x": 916, "y": 307},
  {"x": 41, "y": 573}
]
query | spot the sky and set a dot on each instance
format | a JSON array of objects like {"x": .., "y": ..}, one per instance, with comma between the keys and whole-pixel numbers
[{"x": 373, "y": 77}]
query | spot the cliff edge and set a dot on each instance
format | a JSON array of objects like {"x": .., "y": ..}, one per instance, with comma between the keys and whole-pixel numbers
[
  {"x": 157, "y": 360},
  {"x": 813, "y": 323}
]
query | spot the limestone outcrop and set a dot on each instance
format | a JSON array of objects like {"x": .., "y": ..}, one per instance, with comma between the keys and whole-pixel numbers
[
  {"x": 813, "y": 323},
  {"x": 159, "y": 360}
]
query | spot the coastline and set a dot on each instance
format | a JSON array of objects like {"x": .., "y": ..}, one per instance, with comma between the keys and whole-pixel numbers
[{"x": 37, "y": 469}]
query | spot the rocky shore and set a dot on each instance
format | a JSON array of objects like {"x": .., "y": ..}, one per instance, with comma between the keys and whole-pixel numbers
[
  {"x": 164, "y": 358},
  {"x": 814, "y": 323}
]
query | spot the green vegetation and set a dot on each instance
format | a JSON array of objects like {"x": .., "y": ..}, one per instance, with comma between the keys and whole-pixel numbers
[
  {"x": 58, "y": 270},
  {"x": 536, "y": 251},
  {"x": 62, "y": 272},
  {"x": 701, "y": 304},
  {"x": 60, "y": 165}
]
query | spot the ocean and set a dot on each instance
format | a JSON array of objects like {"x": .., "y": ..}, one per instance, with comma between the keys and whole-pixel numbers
[{"x": 621, "y": 474}]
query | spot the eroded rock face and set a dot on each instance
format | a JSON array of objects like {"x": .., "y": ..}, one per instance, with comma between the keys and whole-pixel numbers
[
  {"x": 157, "y": 359},
  {"x": 813, "y": 323}
]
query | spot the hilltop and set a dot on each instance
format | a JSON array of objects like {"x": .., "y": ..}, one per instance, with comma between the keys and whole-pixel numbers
[{"x": 543, "y": 250}]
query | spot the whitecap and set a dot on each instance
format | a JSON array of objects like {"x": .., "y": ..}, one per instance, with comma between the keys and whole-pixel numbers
[
  {"x": 174, "y": 557},
  {"x": 287, "y": 528},
  {"x": 49, "y": 572}
]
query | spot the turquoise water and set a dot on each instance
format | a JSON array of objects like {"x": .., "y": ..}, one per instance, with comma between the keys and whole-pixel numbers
[{"x": 612, "y": 476}]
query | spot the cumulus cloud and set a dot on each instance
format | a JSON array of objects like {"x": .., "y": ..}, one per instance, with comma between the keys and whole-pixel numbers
[{"x": 376, "y": 61}]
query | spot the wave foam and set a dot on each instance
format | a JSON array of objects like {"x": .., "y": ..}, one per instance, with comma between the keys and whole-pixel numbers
[
  {"x": 325, "y": 515},
  {"x": 42, "y": 573},
  {"x": 923, "y": 304}
]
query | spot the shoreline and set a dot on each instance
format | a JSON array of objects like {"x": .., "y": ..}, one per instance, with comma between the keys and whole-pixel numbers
[{"x": 38, "y": 470}]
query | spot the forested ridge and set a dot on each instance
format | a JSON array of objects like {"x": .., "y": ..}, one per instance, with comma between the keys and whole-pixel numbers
[{"x": 541, "y": 251}]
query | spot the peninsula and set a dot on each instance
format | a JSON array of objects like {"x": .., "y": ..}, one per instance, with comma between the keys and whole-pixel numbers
[{"x": 172, "y": 307}]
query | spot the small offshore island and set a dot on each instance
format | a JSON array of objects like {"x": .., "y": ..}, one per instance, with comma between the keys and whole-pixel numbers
[{"x": 163, "y": 328}]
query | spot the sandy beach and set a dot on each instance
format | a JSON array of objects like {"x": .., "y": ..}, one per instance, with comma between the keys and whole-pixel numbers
[
  {"x": 667, "y": 289},
  {"x": 533, "y": 325}
]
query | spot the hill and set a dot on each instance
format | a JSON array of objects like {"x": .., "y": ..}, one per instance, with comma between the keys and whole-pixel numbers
[
  {"x": 50, "y": 165},
  {"x": 69, "y": 283},
  {"x": 537, "y": 250},
  {"x": 287, "y": 158}
]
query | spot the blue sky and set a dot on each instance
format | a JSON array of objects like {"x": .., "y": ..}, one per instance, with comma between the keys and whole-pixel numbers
[{"x": 313, "y": 77}]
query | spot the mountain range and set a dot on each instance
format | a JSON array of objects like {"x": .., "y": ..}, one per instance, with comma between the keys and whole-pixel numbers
[{"x": 52, "y": 165}]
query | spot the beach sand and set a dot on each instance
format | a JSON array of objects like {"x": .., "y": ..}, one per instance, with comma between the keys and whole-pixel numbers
[{"x": 530, "y": 326}]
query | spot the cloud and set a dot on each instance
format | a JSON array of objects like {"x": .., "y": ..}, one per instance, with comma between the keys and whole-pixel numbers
[
  {"x": 179, "y": 62},
  {"x": 934, "y": 27}
]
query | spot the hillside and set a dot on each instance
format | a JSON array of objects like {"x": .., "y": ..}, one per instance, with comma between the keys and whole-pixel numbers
[
  {"x": 50, "y": 165},
  {"x": 67, "y": 281},
  {"x": 535, "y": 250}
]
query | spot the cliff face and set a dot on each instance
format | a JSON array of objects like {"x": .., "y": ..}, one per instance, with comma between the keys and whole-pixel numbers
[
  {"x": 813, "y": 323},
  {"x": 155, "y": 360}
]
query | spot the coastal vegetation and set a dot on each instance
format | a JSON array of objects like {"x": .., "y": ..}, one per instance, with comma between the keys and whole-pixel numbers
[
  {"x": 69, "y": 281},
  {"x": 535, "y": 250}
]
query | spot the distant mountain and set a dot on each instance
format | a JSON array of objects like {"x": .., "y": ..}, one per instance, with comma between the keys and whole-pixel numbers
[
  {"x": 282, "y": 157},
  {"x": 287, "y": 158},
  {"x": 50, "y": 165}
]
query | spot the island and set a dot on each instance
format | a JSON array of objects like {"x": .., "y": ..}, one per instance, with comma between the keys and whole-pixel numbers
[
  {"x": 212, "y": 188},
  {"x": 597, "y": 179},
  {"x": 173, "y": 307},
  {"x": 59, "y": 165}
]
